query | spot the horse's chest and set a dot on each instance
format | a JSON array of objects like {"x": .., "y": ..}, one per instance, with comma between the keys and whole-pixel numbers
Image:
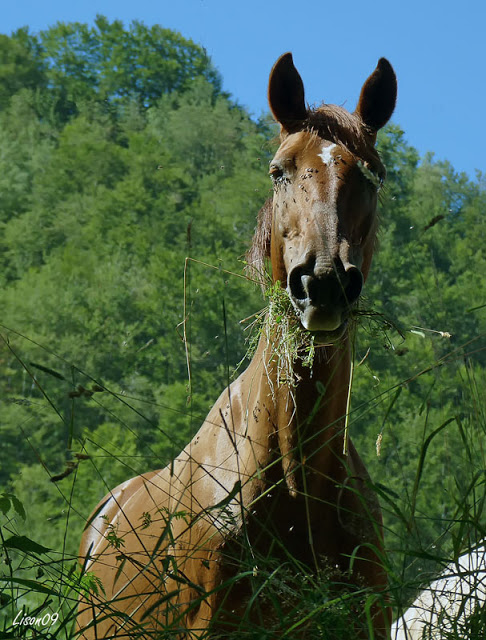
[{"x": 282, "y": 525}]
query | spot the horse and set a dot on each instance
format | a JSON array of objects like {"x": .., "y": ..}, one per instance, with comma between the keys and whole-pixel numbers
[
  {"x": 271, "y": 470},
  {"x": 453, "y": 603}
]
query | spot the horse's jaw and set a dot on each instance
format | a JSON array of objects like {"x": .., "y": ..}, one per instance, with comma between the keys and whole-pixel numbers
[
  {"x": 326, "y": 325},
  {"x": 322, "y": 338}
]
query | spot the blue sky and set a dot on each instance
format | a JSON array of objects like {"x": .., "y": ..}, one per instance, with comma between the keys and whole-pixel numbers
[{"x": 438, "y": 50}]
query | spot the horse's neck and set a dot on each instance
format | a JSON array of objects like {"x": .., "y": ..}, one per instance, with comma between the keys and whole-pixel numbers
[{"x": 310, "y": 414}]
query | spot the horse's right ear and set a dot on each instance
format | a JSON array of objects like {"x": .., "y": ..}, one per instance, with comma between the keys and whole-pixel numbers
[
  {"x": 378, "y": 96},
  {"x": 286, "y": 94}
]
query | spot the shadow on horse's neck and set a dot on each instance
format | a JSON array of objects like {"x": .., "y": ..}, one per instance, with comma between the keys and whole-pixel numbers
[{"x": 310, "y": 412}]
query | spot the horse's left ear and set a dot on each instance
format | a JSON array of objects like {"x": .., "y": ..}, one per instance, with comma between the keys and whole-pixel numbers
[
  {"x": 378, "y": 96},
  {"x": 286, "y": 94}
]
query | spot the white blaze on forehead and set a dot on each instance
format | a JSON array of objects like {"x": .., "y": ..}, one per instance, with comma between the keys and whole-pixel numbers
[{"x": 326, "y": 154}]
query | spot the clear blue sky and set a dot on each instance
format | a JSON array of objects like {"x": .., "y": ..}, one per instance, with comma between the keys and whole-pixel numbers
[{"x": 438, "y": 49}]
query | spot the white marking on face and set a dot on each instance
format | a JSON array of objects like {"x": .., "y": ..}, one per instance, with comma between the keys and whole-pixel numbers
[{"x": 326, "y": 155}]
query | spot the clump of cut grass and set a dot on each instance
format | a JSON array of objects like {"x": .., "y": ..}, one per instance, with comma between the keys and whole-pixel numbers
[
  {"x": 294, "y": 343},
  {"x": 279, "y": 323}
]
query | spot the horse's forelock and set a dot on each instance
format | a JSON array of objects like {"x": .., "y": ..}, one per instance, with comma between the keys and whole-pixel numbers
[{"x": 337, "y": 125}]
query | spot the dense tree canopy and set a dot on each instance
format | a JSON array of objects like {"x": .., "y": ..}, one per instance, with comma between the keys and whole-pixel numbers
[{"x": 129, "y": 189}]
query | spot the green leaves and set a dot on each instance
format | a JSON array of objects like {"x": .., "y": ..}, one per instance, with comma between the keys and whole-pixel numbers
[
  {"x": 23, "y": 543},
  {"x": 113, "y": 63},
  {"x": 21, "y": 66},
  {"x": 8, "y": 501}
]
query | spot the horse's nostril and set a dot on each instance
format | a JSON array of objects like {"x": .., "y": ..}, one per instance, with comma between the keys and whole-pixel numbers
[
  {"x": 296, "y": 284},
  {"x": 330, "y": 288},
  {"x": 354, "y": 285}
]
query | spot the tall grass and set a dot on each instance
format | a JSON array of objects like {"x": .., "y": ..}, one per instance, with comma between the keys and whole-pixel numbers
[{"x": 45, "y": 508}]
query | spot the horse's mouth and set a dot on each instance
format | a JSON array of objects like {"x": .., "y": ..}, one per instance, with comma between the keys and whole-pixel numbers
[
  {"x": 324, "y": 323},
  {"x": 327, "y": 324},
  {"x": 326, "y": 327},
  {"x": 329, "y": 337}
]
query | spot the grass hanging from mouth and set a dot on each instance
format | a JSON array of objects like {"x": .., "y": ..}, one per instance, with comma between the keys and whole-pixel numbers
[
  {"x": 293, "y": 343},
  {"x": 280, "y": 324}
]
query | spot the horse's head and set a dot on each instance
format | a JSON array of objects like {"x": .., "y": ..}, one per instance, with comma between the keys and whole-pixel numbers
[{"x": 326, "y": 176}]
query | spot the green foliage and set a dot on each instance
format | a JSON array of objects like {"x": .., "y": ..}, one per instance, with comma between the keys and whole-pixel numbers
[
  {"x": 113, "y": 63},
  {"x": 419, "y": 388},
  {"x": 116, "y": 159},
  {"x": 21, "y": 65}
]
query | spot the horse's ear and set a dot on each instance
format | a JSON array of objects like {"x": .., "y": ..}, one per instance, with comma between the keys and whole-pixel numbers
[
  {"x": 378, "y": 96},
  {"x": 286, "y": 94}
]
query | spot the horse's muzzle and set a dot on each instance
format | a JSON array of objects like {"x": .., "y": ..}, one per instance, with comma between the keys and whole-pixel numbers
[{"x": 323, "y": 301}]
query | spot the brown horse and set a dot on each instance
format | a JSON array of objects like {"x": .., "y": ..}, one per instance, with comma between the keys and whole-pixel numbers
[{"x": 270, "y": 472}]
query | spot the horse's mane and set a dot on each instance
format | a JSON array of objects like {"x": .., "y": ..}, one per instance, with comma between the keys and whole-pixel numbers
[
  {"x": 260, "y": 245},
  {"x": 336, "y": 125}
]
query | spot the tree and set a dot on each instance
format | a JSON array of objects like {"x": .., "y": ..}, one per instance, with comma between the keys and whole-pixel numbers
[{"x": 21, "y": 65}]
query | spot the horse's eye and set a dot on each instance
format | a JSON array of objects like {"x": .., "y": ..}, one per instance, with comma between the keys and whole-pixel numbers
[{"x": 275, "y": 172}]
